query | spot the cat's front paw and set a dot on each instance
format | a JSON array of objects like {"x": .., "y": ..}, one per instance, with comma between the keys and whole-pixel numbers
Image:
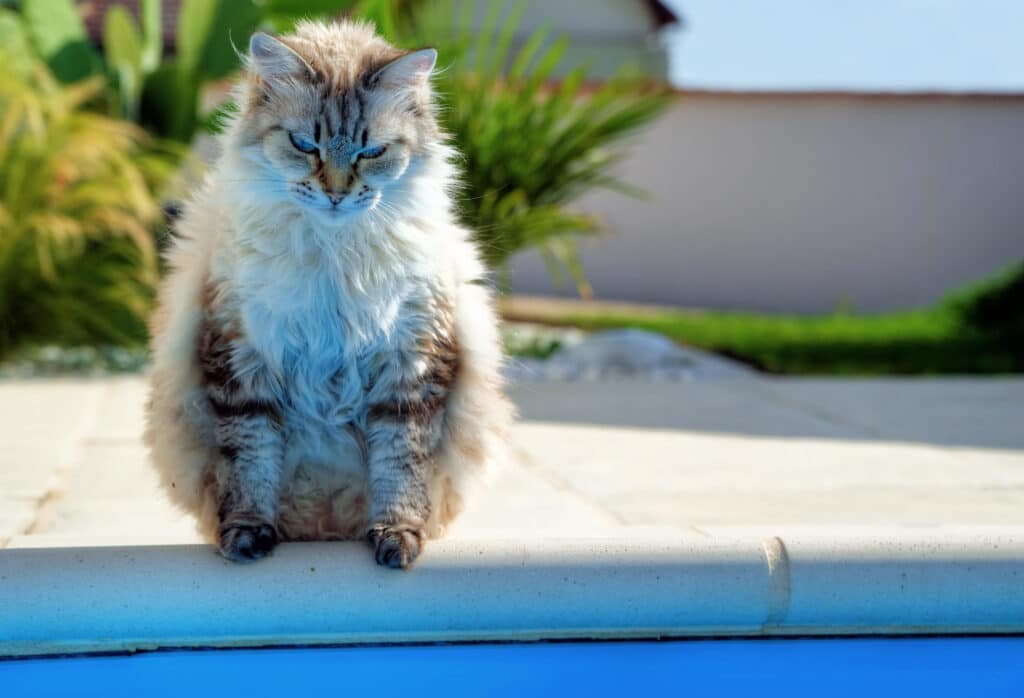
[
  {"x": 247, "y": 542},
  {"x": 396, "y": 546}
]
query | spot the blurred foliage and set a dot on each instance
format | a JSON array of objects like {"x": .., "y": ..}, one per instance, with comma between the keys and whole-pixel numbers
[
  {"x": 995, "y": 306},
  {"x": 77, "y": 187},
  {"x": 974, "y": 330},
  {"x": 58, "y": 36},
  {"x": 132, "y": 55},
  {"x": 163, "y": 94},
  {"x": 205, "y": 52},
  {"x": 531, "y": 144},
  {"x": 15, "y": 43},
  {"x": 77, "y": 210}
]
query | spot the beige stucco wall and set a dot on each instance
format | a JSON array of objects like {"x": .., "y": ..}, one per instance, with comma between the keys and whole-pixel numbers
[
  {"x": 797, "y": 203},
  {"x": 604, "y": 35}
]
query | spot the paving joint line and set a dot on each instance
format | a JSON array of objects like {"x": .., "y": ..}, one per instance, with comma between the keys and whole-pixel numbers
[
  {"x": 764, "y": 389},
  {"x": 69, "y": 461},
  {"x": 556, "y": 481}
]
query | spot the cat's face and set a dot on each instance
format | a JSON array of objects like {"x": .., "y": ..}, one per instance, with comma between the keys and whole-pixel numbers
[{"x": 336, "y": 140}]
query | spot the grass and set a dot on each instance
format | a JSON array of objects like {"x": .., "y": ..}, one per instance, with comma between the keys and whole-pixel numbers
[{"x": 945, "y": 339}]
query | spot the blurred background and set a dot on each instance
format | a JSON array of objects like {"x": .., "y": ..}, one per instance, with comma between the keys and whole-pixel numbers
[
  {"x": 806, "y": 188},
  {"x": 761, "y": 263}
]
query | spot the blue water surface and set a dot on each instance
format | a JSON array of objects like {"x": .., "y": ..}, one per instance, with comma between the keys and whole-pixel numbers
[{"x": 988, "y": 667}]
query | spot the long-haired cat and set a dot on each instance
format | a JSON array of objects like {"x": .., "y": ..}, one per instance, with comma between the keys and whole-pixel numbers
[{"x": 326, "y": 355}]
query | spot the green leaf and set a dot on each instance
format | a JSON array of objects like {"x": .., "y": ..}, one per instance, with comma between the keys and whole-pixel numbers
[
  {"x": 311, "y": 8},
  {"x": 58, "y": 35},
  {"x": 15, "y": 43},
  {"x": 534, "y": 136},
  {"x": 170, "y": 103},
  {"x": 379, "y": 12},
  {"x": 209, "y": 31},
  {"x": 122, "y": 43},
  {"x": 152, "y": 34},
  {"x": 122, "y": 46},
  {"x": 79, "y": 203}
]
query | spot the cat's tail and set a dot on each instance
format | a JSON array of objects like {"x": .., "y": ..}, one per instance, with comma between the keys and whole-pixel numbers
[
  {"x": 178, "y": 428},
  {"x": 478, "y": 416}
]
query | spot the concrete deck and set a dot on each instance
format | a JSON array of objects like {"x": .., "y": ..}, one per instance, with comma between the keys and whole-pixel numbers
[{"x": 591, "y": 460}]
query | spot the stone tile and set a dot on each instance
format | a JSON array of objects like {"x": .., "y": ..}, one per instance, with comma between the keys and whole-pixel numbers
[
  {"x": 982, "y": 412},
  {"x": 694, "y": 479},
  {"x": 16, "y": 516},
  {"x": 813, "y": 508},
  {"x": 44, "y": 422},
  {"x": 122, "y": 414},
  {"x": 727, "y": 406},
  {"x": 113, "y": 492},
  {"x": 521, "y": 502},
  {"x": 592, "y": 459},
  {"x": 101, "y": 539}
]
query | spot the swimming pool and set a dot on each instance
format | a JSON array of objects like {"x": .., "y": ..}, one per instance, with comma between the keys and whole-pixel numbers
[{"x": 982, "y": 666}]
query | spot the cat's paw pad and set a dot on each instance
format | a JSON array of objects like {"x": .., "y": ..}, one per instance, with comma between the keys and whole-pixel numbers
[
  {"x": 247, "y": 542},
  {"x": 396, "y": 546}
]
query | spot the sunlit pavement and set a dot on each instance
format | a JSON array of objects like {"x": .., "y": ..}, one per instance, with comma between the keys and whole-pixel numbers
[{"x": 591, "y": 459}]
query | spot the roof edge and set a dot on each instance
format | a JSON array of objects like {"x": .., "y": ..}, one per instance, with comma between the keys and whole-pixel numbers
[
  {"x": 909, "y": 95},
  {"x": 662, "y": 14}
]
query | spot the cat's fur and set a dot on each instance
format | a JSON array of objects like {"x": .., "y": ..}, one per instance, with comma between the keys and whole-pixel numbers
[{"x": 326, "y": 356}]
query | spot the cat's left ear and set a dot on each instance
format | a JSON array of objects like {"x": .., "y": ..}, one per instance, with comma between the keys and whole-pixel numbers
[
  {"x": 409, "y": 71},
  {"x": 274, "y": 61}
]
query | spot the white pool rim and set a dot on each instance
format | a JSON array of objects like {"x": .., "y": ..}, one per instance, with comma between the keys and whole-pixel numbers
[{"x": 115, "y": 599}]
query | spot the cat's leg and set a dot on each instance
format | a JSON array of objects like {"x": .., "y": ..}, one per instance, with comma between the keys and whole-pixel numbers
[
  {"x": 250, "y": 444},
  {"x": 404, "y": 426}
]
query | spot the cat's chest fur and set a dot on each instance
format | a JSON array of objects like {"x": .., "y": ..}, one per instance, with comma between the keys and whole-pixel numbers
[{"x": 321, "y": 339}]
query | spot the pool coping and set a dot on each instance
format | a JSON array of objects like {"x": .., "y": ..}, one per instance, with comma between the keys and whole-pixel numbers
[{"x": 820, "y": 582}]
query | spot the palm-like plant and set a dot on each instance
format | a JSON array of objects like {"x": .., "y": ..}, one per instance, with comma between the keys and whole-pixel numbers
[
  {"x": 531, "y": 145},
  {"x": 77, "y": 210}
]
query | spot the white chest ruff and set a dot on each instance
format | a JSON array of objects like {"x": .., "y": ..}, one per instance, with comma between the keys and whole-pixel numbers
[{"x": 319, "y": 342}]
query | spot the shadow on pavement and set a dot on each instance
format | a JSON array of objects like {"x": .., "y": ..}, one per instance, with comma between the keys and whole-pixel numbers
[{"x": 981, "y": 413}]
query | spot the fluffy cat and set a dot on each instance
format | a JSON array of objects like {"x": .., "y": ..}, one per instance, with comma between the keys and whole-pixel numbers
[{"x": 326, "y": 355}]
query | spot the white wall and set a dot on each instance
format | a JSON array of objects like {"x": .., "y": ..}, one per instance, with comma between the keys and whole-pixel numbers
[
  {"x": 605, "y": 35},
  {"x": 796, "y": 202}
]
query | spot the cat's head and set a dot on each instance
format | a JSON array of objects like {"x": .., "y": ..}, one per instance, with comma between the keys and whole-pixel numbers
[{"x": 333, "y": 119}]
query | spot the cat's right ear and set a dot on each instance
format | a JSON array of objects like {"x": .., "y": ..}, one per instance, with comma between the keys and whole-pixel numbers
[{"x": 275, "y": 62}]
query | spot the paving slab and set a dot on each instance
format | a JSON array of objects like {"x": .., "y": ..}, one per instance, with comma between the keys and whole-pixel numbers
[
  {"x": 982, "y": 412},
  {"x": 620, "y": 458},
  {"x": 44, "y": 424},
  {"x": 686, "y": 478},
  {"x": 732, "y": 406}
]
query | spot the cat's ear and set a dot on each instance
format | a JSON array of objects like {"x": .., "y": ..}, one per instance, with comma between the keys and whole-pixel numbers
[
  {"x": 273, "y": 61},
  {"x": 409, "y": 71}
]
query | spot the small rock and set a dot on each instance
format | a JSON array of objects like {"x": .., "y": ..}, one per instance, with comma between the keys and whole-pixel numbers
[{"x": 619, "y": 354}]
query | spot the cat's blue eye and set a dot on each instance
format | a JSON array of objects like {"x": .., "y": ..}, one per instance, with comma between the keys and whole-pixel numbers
[
  {"x": 303, "y": 143},
  {"x": 374, "y": 151}
]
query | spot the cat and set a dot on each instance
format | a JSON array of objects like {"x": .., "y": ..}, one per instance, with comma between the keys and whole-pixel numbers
[{"x": 326, "y": 356}]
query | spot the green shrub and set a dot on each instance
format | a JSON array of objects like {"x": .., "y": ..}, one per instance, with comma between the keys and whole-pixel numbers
[
  {"x": 77, "y": 210},
  {"x": 995, "y": 305},
  {"x": 531, "y": 145},
  {"x": 163, "y": 94}
]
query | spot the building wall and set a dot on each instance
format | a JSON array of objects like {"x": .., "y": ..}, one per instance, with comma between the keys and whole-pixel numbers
[
  {"x": 604, "y": 34},
  {"x": 799, "y": 203}
]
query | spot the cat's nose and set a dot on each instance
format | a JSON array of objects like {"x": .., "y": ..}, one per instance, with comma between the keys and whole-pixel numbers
[{"x": 335, "y": 199}]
